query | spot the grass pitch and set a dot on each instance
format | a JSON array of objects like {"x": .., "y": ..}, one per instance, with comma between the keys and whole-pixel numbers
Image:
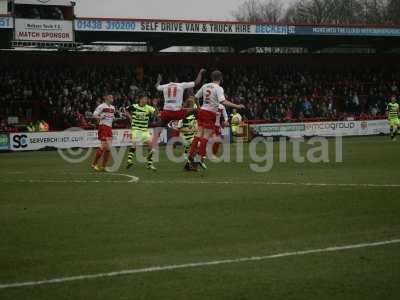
[{"x": 59, "y": 219}]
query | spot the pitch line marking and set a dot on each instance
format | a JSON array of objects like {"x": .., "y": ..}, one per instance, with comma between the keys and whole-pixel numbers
[
  {"x": 196, "y": 264},
  {"x": 134, "y": 179},
  {"x": 274, "y": 183}
]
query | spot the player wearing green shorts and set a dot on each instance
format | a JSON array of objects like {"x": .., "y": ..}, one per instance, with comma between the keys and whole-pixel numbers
[
  {"x": 140, "y": 115},
  {"x": 393, "y": 117}
]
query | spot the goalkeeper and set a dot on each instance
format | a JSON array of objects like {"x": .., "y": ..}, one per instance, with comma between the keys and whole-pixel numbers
[{"x": 392, "y": 111}]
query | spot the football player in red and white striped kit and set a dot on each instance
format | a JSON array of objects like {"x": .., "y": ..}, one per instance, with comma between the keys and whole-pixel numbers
[
  {"x": 173, "y": 98},
  {"x": 104, "y": 113},
  {"x": 213, "y": 95},
  {"x": 173, "y": 93}
]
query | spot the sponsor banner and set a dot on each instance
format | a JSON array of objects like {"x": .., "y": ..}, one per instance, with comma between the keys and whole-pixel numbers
[
  {"x": 43, "y": 30},
  {"x": 347, "y": 31},
  {"x": 122, "y": 137},
  {"x": 203, "y": 27},
  {"x": 331, "y": 128},
  {"x": 343, "y": 128},
  {"x": 69, "y": 139},
  {"x": 288, "y": 129},
  {"x": 6, "y": 22},
  {"x": 4, "y": 141},
  {"x": 180, "y": 27},
  {"x": 374, "y": 127}
]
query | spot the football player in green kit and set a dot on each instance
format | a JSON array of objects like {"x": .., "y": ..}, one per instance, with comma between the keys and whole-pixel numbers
[
  {"x": 140, "y": 115},
  {"x": 392, "y": 111}
]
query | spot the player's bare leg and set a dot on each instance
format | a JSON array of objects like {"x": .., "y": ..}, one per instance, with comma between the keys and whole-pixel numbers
[
  {"x": 103, "y": 151},
  {"x": 216, "y": 146},
  {"x": 207, "y": 133},
  {"x": 106, "y": 155},
  {"x": 99, "y": 154},
  {"x": 199, "y": 146},
  {"x": 393, "y": 132}
]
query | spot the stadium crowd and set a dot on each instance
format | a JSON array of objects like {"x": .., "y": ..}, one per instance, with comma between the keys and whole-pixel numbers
[{"x": 66, "y": 96}]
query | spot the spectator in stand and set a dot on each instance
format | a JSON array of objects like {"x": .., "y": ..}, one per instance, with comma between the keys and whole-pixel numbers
[
  {"x": 5, "y": 127},
  {"x": 267, "y": 115},
  {"x": 394, "y": 88},
  {"x": 65, "y": 96},
  {"x": 356, "y": 104},
  {"x": 324, "y": 109},
  {"x": 307, "y": 108}
]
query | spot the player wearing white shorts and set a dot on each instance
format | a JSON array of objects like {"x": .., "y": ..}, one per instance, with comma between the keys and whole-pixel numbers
[{"x": 213, "y": 95}]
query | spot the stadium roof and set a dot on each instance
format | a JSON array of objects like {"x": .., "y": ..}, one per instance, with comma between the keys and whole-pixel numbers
[{"x": 162, "y": 34}]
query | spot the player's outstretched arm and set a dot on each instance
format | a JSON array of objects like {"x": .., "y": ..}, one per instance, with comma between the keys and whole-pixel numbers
[
  {"x": 233, "y": 105},
  {"x": 199, "y": 77},
  {"x": 159, "y": 78}
]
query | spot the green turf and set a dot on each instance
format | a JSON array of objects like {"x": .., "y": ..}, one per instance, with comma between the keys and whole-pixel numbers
[{"x": 56, "y": 229}]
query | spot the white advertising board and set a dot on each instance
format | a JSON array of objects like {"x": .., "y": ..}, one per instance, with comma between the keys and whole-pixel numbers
[
  {"x": 343, "y": 128},
  {"x": 69, "y": 139},
  {"x": 43, "y": 30}
]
